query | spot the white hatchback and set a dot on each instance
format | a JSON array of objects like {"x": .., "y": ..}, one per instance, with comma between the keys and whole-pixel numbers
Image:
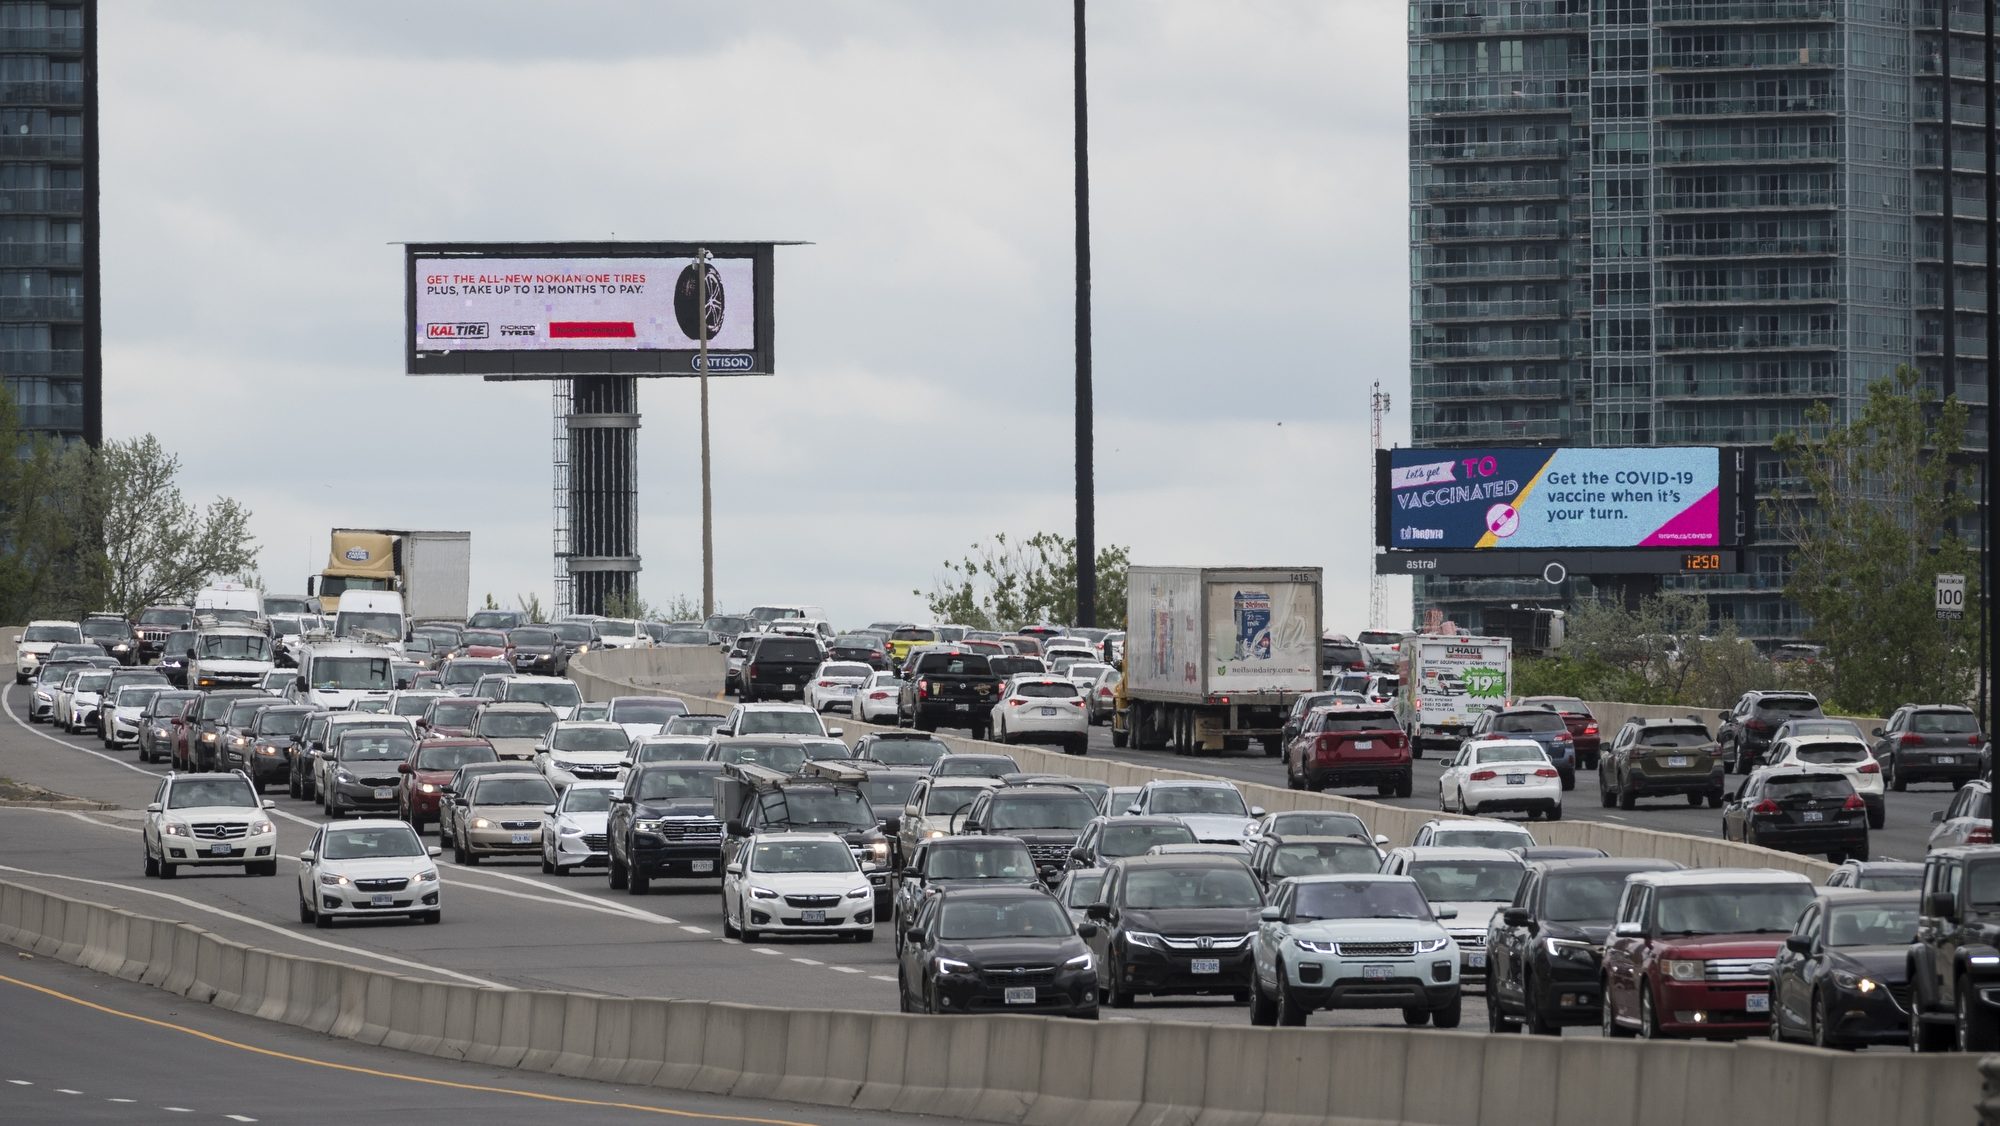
[
  {"x": 1501, "y": 774},
  {"x": 368, "y": 869},
  {"x": 796, "y": 883},
  {"x": 837, "y": 684},
  {"x": 1043, "y": 710},
  {"x": 1849, "y": 756},
  {"x": 875, "y": 701}
]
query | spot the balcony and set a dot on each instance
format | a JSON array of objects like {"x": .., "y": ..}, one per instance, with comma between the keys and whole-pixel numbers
[
  {"x": 1969, "y": 345},
  {"x": 1539, "y": 23},
  {"x": 1824, "y": 199},
  {"x": 69, "y": 308},
  {"x": 1492, "y": 349},
  {"x": 41, "y": 93},
  {"x": 1747, "y": 341},
  {"x": 1495, "y": 230},
  {"x": 41, "y": 201},
  {"x": 1736, "y": 389},
  {"x": 1511, "y": 429},
  {"x": 1497, "y": 270},
  {"x": 1967, "y": 18},
  {"x": 41, "y": 362},
  {"x": 1732, "y": 12},
  {"x": 1814, "y": 246},
  {"x": 46, "y": 146},
  {"x": 62, "y": 39},
  {"x": 1931, "y": 109},
  {"x": 1491, "y": 189},
  {"x": 1491, "y": 150},
  {"x": 1455, "y": 390},
  {"x": 1963, "y": 207},
  {"x": 50, "y": 416},
  {"x": 41, "y": 254},
  {"x": 1751, "y": 152},
  {"x": 1802, "y": 292},
  {"x": 1748, "y": 58},
  {"x": 1752, "y": 106},
  {"x": 1510, "y": 103},
  {"x": 1494, "y": 310},
  {"x": 1967, "y": 298}
]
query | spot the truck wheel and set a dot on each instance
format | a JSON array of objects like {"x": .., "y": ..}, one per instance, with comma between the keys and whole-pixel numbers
[
  {"x": 1119, "y": 736},
  {"x": 1273, "y": 746}
]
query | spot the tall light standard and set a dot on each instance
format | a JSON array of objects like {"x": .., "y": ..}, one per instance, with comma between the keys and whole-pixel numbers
[{"x": 1086, "y": 500}]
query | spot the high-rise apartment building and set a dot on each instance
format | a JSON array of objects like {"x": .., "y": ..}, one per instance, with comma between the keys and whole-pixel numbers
[
  {"x": 1683, "y": 222},
  {"x": 49, "y": 337}
]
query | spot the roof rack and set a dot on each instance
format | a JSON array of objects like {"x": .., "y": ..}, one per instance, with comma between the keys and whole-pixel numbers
[
  {"x": 834, "y": 770},
  {"x": 752, "y": 774}
]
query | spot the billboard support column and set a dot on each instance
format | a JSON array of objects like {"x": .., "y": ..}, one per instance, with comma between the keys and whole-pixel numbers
[{"x": 707, "y": 518}]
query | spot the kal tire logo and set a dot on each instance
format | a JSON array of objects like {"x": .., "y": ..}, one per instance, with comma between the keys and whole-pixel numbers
[
  {"x": 688, "y": 300},
  {"x": 437, "y": 330}
]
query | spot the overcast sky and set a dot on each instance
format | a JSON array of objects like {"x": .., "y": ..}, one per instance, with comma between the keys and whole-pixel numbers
[{"x": 261, "y": 159}]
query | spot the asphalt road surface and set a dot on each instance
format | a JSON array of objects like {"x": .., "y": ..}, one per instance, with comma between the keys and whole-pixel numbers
[{"x": 153, "y": 1057}]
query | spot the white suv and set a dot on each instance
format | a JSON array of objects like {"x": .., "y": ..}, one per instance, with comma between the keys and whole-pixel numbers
[
  {"x": 776, "y": 719},
  {"x": 201, "y": 820},
  {"x": 34, "y": 643},
  {"x": 1043, "y": 709}
]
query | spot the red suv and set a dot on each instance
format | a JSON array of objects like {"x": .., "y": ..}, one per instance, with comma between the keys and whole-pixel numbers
[
  {"x": 428, "y": 769},
  {"x": 1690, "y": 953},
  {"x": 1350, "y": 746}
]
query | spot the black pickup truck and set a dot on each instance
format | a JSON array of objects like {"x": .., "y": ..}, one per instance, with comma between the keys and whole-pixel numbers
[
  {"x": 948, "y": 688},
  {"x": 779, "y": 666}
]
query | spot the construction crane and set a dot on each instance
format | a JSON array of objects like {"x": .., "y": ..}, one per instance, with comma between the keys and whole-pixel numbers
[{"x": 1378, "y": 594}]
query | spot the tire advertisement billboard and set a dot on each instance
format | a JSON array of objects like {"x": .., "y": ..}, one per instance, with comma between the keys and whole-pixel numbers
[{"x": 1512, "y": 498}]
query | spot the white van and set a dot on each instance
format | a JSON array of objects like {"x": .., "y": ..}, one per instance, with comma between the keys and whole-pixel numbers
[
  {"x": 231, "y": 603},
  {"x": 769, "y": 614},
  {"x": 334, "y": 674},
  {"x": 371, "y": 615}
]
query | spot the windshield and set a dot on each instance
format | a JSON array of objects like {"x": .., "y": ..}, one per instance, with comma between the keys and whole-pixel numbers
[
  {"x": 1052, "y": 811},
  {"x": 160, "y": 618},
  {"x": 1482, "y": 838},
  {"x": 537, "y": 638},
  {"x": 1358, "y": 899},
  {"x": 233, "y": 647},
  {"x": 731, "y": 624},
  {"x": 1892, "y": 925},
  {"x": 1010, "y": 665},
  {"x": 1944, "y": 723},
  {"x": 666, "y": 785},
  {"x": 468, "y": 672},
  {"x": 168, "y": 703},
  {"x": 1583, "y": 897},
  {"x": 951, "y": 799},
  {"x": 786, "y": 757},
  {"x": 378, "y": 746},
  {"x": 349, "y": 622},
  {"x": 692, "y": 725},
  {"x": 1508, "y": 754},
  {"x": 1467, "y": 881},
  {"x": 1083, "y": 888},
  {"x": 887, "y": 793},
  {"x": 1674, "y": 737},
  {"x": 601, "y": 740},
  {"x": 491, "y": 638},
  {"x": 615, "y": 629},
  {"x": 491, "y": 619},
  {"x": 557, "y": 695},
  {"x": 801, "y": 856},
  {"x": 779, "y": 723},
  {"x": 587, "y": 799},
  {"x": 1809, "y": 787},
  {"x": 1326, "y": 856},
  {"x": 1220, "y": 800},
  {"x": 350, "y": 673},
  {"x": 1755, "y": 909},
  {"x": 975, "y": 766},
  {"x": 455, "y": 712},
  {"x": 100, "y": 628},
  {"x": 1316, "y": 824},
  {"x": 1160, "y": 888},
  {"x": 907, "y": 752},
  {"x": 412, "y": 705},
  {"x": 285, "y": 626},
  {"x": 627, "y": 710},
  {"x": 1379, "y": 637},
  {"x": 241, "y": 712},
  {"x": 673, "y": 750},
  {"x": 513, "y": 791},
  {"x": 515, "y": 725},
  {"x": 137, "y": 695},
  {"x": 846, "y": 671},
  {"x": 972, "y": 920},
  {"x": 1132, "y": 840},
  {"x": 1821, "y": 727},
  {"x": 92, "y": 681},
  {"x": 195, "y": 793},
  {"x": 1788, "y": 705},
  {"x": 52, "y": 633},
  {"x": 1890, "y": 880},
  {"x": 1528, "y": 722},
  {"x": 1819, "y": 753},
  {"x": 372, "y": 843},
  {"x": 453, "y": 757},
  {"x": 842, "y": 808}
]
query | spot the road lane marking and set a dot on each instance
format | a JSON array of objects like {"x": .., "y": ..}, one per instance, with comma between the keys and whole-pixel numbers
[
  {"x": 261, "y": 925},
  {"x": 239, "y": 1118},
  {"x": 808, "y": 962},
  {"x": 594, "y": 901},
  {"x": 20, "y": 1082},
  {"x": 121, "y": 1100},
  {"x": 7, "y": 707},
  {"x": 352, "y": 1069},
  {"x": 847, "y": 969},
  {"x": 67, "y": 1091},
  {"x": 879, "y": 977},
  {"x": 694, "y": 930},
  {"x": 178, "y": 1109}
]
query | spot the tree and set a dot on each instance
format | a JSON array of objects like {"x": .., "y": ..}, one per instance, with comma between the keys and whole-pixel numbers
[
  {"x": 1664, "y": 651},
  {"x": 157, "y": 546},
  {"x": 1006, "y": 584},
  {"x": 531, "y": 605},
  {"x": 1873, "y": 525}
]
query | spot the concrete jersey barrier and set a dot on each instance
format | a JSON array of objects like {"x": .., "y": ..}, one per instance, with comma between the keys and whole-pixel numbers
[
  {"x": 618, "y": 672},
  {"x": 1044, "y": 1071}
]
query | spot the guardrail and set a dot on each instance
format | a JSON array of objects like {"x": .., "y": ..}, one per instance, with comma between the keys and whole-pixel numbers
[
  {"x": 1016, "y": 1069},
  {"x": 616, "y": 672}
]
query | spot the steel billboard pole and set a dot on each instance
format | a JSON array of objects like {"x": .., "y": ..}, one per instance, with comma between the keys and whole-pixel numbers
[
  {"x": 1086, "y": 469},
  {"x": 1989, "y": 629},
  {"x": 701, "y": 363}
]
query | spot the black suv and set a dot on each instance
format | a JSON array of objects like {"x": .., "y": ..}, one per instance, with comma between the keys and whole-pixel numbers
[
  {"x": 759, "y": 800},
  {"x": 959, "y": 862},
  {"x": 1955, "y": 961},
  {"x": 948, "y": 688},
  {"x": 1653, "y": 758},
  {"x": 1048, "y": 819},
  {"x": 663, "y": 825},
  {"x": 1545, "y": 952},
  {"x": 113, "y": 634},
  {"x": 1799, "y": 809},
  {"x": 1930, "y": 743},
  {"x": 779, "y": 666},
  {"x": 155, "y": 623},
  {"x": 205, "y": 734},
  {"x": 1175, "y": 924},
  {"x": 916, "y": 749},
  {"x": 1745, "y": 734}
]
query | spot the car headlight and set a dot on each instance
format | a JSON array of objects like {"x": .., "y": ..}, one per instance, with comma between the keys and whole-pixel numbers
[
  {"x": 1314, "y": 947},
  {"x": 650, "y": 825},
  {"x": 239, "y": 740},
  {"x": 1146, "y": 939},
  {"x": 879, "y": 850},
  {"x": 1683, "y": 970},
  {"x": 762, "y": 893},
  {"x": 1431, "y": 945},
  {"x": 481, "y": 823},
  {"x": 341, "y": 775},
  {"x": 120, "y": 647},
  {"x": 947, "y": 966},
  {"x": 208, "y": 736},
  {"x": 1855, "y": 982},
  {"x": 172, "y": 829},
  {"x": 328, "y": 879},
  {"x": 859, "y": 893},
  {"x": 159, "y": 732},
  {"x": 1080, "y": 962},
  {"x": 259, "y": 828},
  {"x": 267, "y": 749},
  {"x": 427, "y": 787},
  {"x": 1569, "y": 948},
  {"x": 429, "y": 876}
]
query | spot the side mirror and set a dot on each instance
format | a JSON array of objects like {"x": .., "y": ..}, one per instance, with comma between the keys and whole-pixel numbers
[
  {"x": 549, "y": 809},
  {"x": 736, "y": 829},
  {"x": 1079, "y": 854},
  {"x": 1381, "y": 841},
  {"x": 1798, "y": 944},
  {"x": 1515, "y": 916},
  {"x": 1132, "y": 809},
  {"x": 1629, "y": 930},
  {"x": 1937, "y": 816},
  {"x": 1098, "y": 911},
  {"x": 152, "y": 807},
  {"x": 1878, "y": 732},
  {"x": 1272, "y": 914},
  {"x": 834, "y": 732},
  {"x": 971, "y": 827},
  {"x": 892, "y": 824},
  {"x": 734, "y": 869},
  {"x": 1256, "y": 811},
  {"x": 1723, "y": 716},
  {"x": 435, "y": 851},
  {"x": 1447, "y": 913},
  {"x": 914, "y": 936},
  {"x": 402, "y": 768},
  {"x": 621, "y": 799},
  {"x": 1086, "y": 930},
  {"x": 1938, "y": 904},
  {"x": 306, "y": 857}
]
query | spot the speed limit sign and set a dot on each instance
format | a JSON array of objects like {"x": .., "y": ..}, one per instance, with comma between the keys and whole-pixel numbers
[{"x": 1950, "y": 597}]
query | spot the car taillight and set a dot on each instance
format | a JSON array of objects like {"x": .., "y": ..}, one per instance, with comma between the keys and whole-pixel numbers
[
  {"x": 826, "y": 684},
  {"x": 923, "y": 689},
  {"x": 1870, "y": 767},
  {"x": 1854, "y": 802},
  {"x": 1756, "y": 725},
  {"x": 1104, "y": 690},
  {"x": 1078, "y": 701},
  {"x": 1545, "y": 772},
  {"x": 878, "y": 695},
  {"x": 1972, "y": 740},
  {"x": 1979, "y": 834},
  {"x": 1590, "y": 729},
  {"x": 1910, "y": 739},
  {"x": 752, "y": 670},
  {"x": 1481, "y": 776},
  {"x": 1015, "y": 701},
  {"x": 1765, "y": 806}
]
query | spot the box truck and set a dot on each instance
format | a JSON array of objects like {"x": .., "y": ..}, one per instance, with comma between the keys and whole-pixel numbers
[
  {"x": 1448, "y": 679},
  {"x": 431, "y": 570},
  {"x": 1214, "y": 656}
]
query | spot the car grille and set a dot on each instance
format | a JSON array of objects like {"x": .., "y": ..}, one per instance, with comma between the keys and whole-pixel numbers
[
  {"x": 1375, "y": 949},
  {"x": 1737, "y": 969},
  {"x": 1207, "y": 941},
  {"x": 1473, "y": 939},
  {"x": 377, "y": 781},
  {"x": 692, "y": 830},
  {"x": 593, "y": 772},
  {"x": 1019, "y": 975},
  {"x": 219, "y": 831},
  {"x": 811, "y": 900},
  {"x": 519, "y": 826},
  {"x": 1049, "y": 853},
  {"x": 382, "y": 885},
  {"x": 596, "y": 842}
]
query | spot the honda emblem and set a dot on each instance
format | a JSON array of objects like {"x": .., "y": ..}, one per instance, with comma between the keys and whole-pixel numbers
[{"x": 1204, "y": 942}]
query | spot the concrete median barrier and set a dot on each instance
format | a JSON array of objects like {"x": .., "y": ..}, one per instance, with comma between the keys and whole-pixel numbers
[{"x": 1022, "y": 1069}]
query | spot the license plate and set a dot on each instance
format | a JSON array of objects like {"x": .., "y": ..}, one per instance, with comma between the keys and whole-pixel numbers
[
  {"x": 524, "y": 838},
  {"x": 1020, "y": 995},
  {"x": 1206, "y": 966},
  {"x": 1947, "y": 760},
  {"x": 384, "y": 793},
  {"x": 381, "y": 899},
  {"x": 1757, "y": 1003},
  {"x": 1048, "y": 711},
  {"x": 812, "y": 916},
  {"x": 1475, "y": 961},
  {"x": 1814, "y": 815},
  {"x": 963, "y": 707},
  {"x": 1377, "y": 973},
  {"x": 1674, "y": 761},
  {"x": 845, "y": 689},
  {"x": 1517, "y": 779},
  {"x": 221, "y": 850},
  {"x": 701, "y": 865},
  {"x": 1363, "y": 744},
  {"x": 789, "y": 688}
]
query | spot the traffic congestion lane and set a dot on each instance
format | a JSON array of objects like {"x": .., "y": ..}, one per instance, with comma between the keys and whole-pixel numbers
[{"x": 157, "y": 1057}]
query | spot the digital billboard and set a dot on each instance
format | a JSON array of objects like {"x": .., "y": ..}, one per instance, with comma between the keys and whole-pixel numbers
[
  {"x": 1540, "y": 498},
  {"x": 540, "y": 310}
]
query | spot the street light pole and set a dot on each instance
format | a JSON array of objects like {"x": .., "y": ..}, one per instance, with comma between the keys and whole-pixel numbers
[
  {"x": 1086, "y": 470},
  {"x": 707, "y": 516}
]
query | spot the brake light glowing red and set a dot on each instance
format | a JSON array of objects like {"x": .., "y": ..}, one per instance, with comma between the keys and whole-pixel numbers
[
  {"x": 1078, "y": 701},
  {"x": 1910, "y": 740},
  {"x": 1854, "y": 802},
  {"x": 1481, "y": 776},
  {"x": 1765, "y": 806},
  {"x": 878, "y": 695},
  {"x": 1590, "y": 729},
  {"x": 1979, "y": 834},
  {"x": 1870, "y": 767},
  {"x": 1015, "y": 702},
  {"x": 1545, "y": 772}
]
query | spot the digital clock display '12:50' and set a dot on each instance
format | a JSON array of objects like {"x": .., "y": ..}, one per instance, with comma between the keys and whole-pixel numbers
[{"x": 1702, "y": 561}]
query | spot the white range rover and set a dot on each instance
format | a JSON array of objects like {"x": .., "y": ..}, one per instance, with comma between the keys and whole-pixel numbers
[{"x": 209, "y": 819}]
